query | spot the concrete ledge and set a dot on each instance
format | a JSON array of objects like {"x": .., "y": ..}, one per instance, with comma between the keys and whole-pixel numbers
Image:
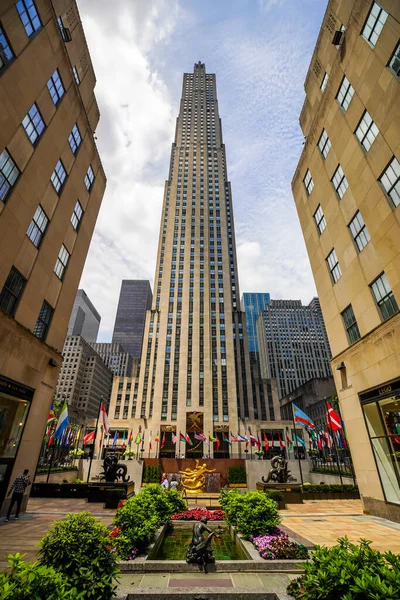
[
  {"x": 222, "y": 566},
  {"x": 206, "y": 593}
]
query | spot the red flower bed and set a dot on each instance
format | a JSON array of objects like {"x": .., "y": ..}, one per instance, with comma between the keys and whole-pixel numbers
[{"x": 195, "y": 514}]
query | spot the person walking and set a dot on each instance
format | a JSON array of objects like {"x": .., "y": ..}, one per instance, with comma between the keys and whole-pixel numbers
[{"x": 18, "y": 488}]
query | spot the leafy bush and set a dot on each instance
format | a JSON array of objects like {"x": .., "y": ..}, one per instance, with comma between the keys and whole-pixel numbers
[
  {"x": 166, "y": 503},
  {"x": 79, "y": 548},
  {"x": 151, "y": 474},
  {"x": 237, "y": 475},
  {"x": 349, "y": 572},
  {"x": 331, "y": 471},
  {"x": 195, "y": 514},
  {"x": 137, "y": 521},
  {"x": 336, "y": 488},
  {"x": 278, "y": 546},
  {"x": 274, "y": 495},
  {"x": 252, "y": 513},
  {"x": 27, "y": 581}
]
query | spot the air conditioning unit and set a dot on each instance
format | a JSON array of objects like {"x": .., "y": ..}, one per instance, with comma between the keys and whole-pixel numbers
[
  {"x": 66, "y": 33},
  {"x": 337, "y": 38}
]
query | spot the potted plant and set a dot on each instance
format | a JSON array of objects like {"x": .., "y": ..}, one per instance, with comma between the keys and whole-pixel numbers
[
  {"x": 259, "y": 454},
  {"x": 76, "y": 453},
  {"x": 128, "y": 454}
]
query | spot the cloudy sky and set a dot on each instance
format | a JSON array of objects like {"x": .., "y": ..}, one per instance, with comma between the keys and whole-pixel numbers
[{"x": 260, "y": 51}]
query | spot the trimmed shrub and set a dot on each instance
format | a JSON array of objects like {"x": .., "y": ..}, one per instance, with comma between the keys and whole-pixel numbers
[
  {"x": 151, "y": 474},
  {"x": 166, "y": 503},
  {"x": 28, "y": 581},
  {"x": 79, "y": 548},
  {"x": 349, "y": 572},
  {"x": 137, "y": 521},
  {"x": 237, "y": 475},
  {"x": 335, "y": 488},
  {"x": 252, "y": 513}
]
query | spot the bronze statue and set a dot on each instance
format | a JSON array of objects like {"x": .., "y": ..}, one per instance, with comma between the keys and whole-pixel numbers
[
  {"x": 200, "y": 551},
  {"x": 279, "y": 472},
  {"x": 113, "y": 470},
  {"x": 193, "y": 480}
]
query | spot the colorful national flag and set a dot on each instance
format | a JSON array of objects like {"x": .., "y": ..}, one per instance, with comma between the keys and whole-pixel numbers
[
  {"x": 200, "y": 436},
  {"x": 254, "y": 441},
  {"x": 114, "y": 439},
  {"x": 150, "y": 447},
  {"x": 266, "y": 440},
  {"x": 218, "y": 443},
  {"x": 157, "y": 438},
  {"x": 289, "y": 442},
  {"x": 299, "y": 440},
  {"x": 182, "y": 437},
  {"x": 51, "y": 416},
  {"x": 174, "y": 438},
  {"x": 211, "y": 438},
  {"x": 301, "y": 418},
  {"x": 234, "y": 438},
  {"x": 130, "y": 439},
  {"x": 88, "y": 438},
  {"x": 104, "y": 419},
  {"x": 62, "y": 422},
  {"x": 281, "y": 443},
  {"x": 138, "y": 438},
  {"x": 334, "y": 420},
  {"x": 225, "y": 439},
  {"x": 242, "y": 438},
  {"x": 163, "y": 441},
  {"x": 189, "y": 441}
]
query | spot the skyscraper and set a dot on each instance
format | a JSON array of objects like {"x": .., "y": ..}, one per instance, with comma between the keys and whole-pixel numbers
[
  {"x": 115, "y": 357},
  {"x": 347, "y": 193},
  {"x": 51, "y": 187},
  {"x": 293, "y": 344},
  {"x": 84, "y": 320},
  {"x": 134, "y": 300},
  {"x": 252, "y": 304}
]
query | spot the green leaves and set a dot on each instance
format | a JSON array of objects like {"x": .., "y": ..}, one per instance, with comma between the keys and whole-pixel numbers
[
  {"x": 253, "y": 513},
  {"x": 237, "y": 475},
  {"x": 349, "y": 572}
]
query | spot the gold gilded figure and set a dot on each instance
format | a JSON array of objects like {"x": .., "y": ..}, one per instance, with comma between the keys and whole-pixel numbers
[{"x": 193, "y": 480}]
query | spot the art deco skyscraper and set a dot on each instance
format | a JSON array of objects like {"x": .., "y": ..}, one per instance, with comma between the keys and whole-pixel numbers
[{"x": 195, "y": 365}]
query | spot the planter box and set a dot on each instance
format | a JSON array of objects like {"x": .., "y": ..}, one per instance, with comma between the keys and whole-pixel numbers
[
  {"x": 110, "y": 493},
  {"x": 59, "y": 490},
  {"x": 331, "y": 495}
]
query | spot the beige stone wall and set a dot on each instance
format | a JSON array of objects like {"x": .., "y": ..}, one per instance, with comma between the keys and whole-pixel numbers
[{"x": 375, "y": 358}]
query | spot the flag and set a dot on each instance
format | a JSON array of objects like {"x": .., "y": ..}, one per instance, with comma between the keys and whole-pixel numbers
[
  {"x": 150, "y": 442},
  {"x": 163, "y": 441},
  {"x": 266, "y": 441},
  {"x": 211, "y": 438},
  {"x": 242, "y": 438},
  {"x": 174, "y": 438},
  {"x": 234, "y": 438},
  {"x": 334, "y": 421},
  {"x": 299, "y": 440},
  {"x": 89, "y": 437},
  {"x": 189, "y": 441},
  {"x": 138, "y": 438},
  {"x": 157, "y": 438},
  {"x": 114, "y": 440},
  {"x": 51, "y": 440},
  {"x": 225, "y": 439},
  {"x": 301, "y": 418},
  {"x": 62, "y": 422},
  {"x": 200, "y": 436},
  {"x": 289, "y": 442},
  {"x": 281, "y": 443},
  {"x": 51, "y": 416},
  {"x": 217, "y": 445},
  {"x": 130, "y": 439},
  {"x": 104, "y": 418},
  {"x": 181, "y": 437},
  {"x": 253, "y": 440}
]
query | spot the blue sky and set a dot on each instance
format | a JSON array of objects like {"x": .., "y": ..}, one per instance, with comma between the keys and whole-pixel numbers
[{"x": 260, "y": 51}]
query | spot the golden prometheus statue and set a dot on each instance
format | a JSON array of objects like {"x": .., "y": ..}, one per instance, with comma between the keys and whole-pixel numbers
[{"x": 194, "y": 480}]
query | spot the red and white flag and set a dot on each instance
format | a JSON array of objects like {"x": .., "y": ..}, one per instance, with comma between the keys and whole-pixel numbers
[
  {"x": 104, "y": 419},
  {"x": 89, "y": 437},
  {"x": 334, "y": 420}
]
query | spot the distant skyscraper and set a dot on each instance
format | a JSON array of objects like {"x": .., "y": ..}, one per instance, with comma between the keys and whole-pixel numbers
[
  {"x": 84, "y": 320},
  {"x": 116, "y": 358},
  {"x": 293, "y": 343},
  {"x": 134, "y": 300},
  {"x": 252, "y": 304}
]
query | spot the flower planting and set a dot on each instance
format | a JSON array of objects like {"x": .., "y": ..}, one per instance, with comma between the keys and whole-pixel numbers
[
  {"x": 195, "y": 514},
  {"x": 277, "y": 546}
]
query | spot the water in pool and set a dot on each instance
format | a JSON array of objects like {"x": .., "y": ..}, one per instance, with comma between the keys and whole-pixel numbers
[{"x": 176, "y": 542}]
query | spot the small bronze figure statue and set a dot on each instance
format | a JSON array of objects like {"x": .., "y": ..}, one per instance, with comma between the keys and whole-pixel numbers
[
  {"x": 279, "y": 472},
  {"x": 200, "y": 551},
  {"x": 113, "y": 471}
]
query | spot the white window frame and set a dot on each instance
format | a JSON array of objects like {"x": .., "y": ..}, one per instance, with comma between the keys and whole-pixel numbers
[
  {"x": 339, "y": 182},
  {"x": 319, "y": 219},
  {"x": 345, "y": 94},
  {"x": 367, "y": 131},
  {"x": 359, "y": 231},
  {"x": 390, "y": 181},
  {"x": 324, "y": 144},
  {"x": 333, "y": 266},
  {"x": 308, "y": 182},
  {"x": 374, "y": 24}
]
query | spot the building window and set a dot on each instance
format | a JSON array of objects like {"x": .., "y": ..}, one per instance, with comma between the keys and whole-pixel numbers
[
  {"x": 366, "y": 131},
  {"x": 350, "y": 324},
  {"x": 390, "y": 180},
  {"x": 76, "y": 75},
  {"x": 33, "y": 124},
  {"x": 382, "y": 418},
  {"x": 324, "y": 144},
  {"x": 320, "y": 219},
  {"x": 61, "y": 262},
  {"x": 334, "y": 267},
  {"x": 345, "y": 93},
  {"x": 58, "y": 177},
  {"x": 29, "y": 16},
  {"x": 89, "y": 178},
  {"x": 37, "y": 226},
  {"x": 384, "y": 297},
  {"x": 43, "y": 322},
  {"x": 6, "y": 54},
  {"x": 12, "y": 292},
  {"x": 339, "y": 182},
  {"x": 77, "y": 215},
  {"x": 55, "y": 87},
  {"x": 324, "y": 82},
  {"x": 374, "y": 24},
  {"x": 9, "y": 174},
  {"x": 308, "y": 182},
  {"x": 359, "y": 231},
  {"x": 394, "y": 63},
  {"x": 75, "y": 139}
]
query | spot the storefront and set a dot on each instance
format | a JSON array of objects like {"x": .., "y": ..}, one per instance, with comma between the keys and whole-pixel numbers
[
  {"x": 381, "y": 408},
  {"x": 15, "y": 402}
]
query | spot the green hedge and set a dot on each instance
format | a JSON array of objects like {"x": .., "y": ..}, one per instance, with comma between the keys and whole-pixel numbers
[
  {"x": 335, "y": 488},
  {"x": 330, "y": 471},
  {"x": 151, "y": 474},
  {"x": 237, "y": 475},
  {"x": 43, "y": 471}
]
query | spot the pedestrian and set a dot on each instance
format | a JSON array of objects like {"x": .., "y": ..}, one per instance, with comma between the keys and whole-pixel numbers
[
  {"x": 174, "y": 484},
  {"x": 164, "y": 481},
  {"x": 18, "y": 487}
]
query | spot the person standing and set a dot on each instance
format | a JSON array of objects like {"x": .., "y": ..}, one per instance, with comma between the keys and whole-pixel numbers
[
  {"x": 164, "y": 481},
  {"x": 18, "y": 488}
]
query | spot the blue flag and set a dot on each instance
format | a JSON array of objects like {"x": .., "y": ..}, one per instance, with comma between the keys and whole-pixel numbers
[
  {"x": 62, "y": 422},
  {"x": 114, "y": 440},
  {"x": 300, "y": 441},
  {"x": 301, "y": 418}
]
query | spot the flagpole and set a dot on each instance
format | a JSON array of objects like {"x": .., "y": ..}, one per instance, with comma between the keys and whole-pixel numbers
[
  {"x": 334, "y": 442},
  {"x": 251, "y": 445},
  {"x": 94, "y": 441},
  {"x": 297, "y": 444}
]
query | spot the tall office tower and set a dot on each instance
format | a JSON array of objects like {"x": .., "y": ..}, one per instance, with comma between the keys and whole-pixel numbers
[
  {"x": 116, "y": 358},
  {"x": 347, "y": 193},
  {"x": 195, "y": 366},
  {"x": 293, "y": 344},
  {"x": 262, "y": 389},
  {"x": 134, "y": 301},
  {"x": 84, "y": 320},
  {"x": 84, "y": 380},
  {"x": 51, "y": 187}
]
